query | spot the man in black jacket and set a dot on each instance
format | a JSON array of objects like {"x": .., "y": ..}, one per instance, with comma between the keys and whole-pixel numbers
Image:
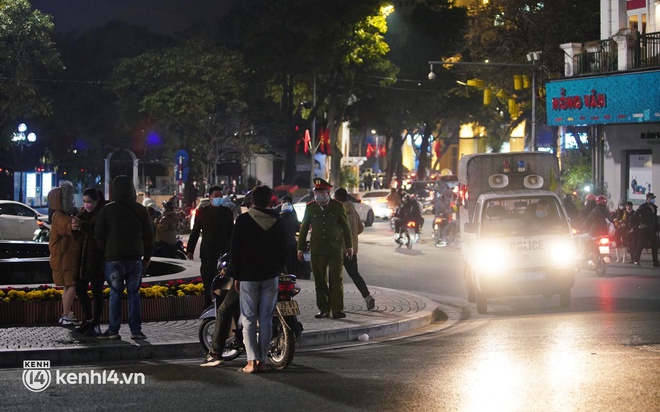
[
  {"x": 124, "y": 232},
  {"x": 648, "y": 221},
  {"x": 216, "y": 224},
  {"x": 258, "y": 256}
]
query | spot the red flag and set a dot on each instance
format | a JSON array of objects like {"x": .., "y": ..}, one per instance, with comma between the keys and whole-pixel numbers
[
  {"x": 382, "y": 151},
  {"x": 370, "y": 150},
  {"x": 324, "y": 141},
  {"x": 307, "y": 139},
  {"x": 437, "y": 149}
]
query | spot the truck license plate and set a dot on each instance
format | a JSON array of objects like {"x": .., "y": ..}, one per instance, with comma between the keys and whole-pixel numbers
[
  {"x": 288, "y": 308},
  {"x": 529, "y": 276}
]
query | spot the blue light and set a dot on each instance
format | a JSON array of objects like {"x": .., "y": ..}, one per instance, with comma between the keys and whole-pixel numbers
[{"x": 154, "y": 139}]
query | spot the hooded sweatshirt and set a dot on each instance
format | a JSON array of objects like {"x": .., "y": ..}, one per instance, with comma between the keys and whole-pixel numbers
[
  {"x": 64, "y": 248},
  {"x": 258, "y": 246},
  {"x": 123, "y": 229}
]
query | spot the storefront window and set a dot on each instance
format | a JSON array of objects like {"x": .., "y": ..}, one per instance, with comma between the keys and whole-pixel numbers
[{"x": 640, "y": 175}]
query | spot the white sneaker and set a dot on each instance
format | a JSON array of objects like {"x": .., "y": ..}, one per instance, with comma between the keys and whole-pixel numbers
[
  {"x": 68, "y": 319},
  {"x": 371, "y": 303}
]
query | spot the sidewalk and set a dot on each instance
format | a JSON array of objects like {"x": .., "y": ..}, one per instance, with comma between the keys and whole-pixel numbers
[{"x": 395, "y": 312}]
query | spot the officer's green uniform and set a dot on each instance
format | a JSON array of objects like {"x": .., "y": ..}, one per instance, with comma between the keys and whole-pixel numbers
[{"x": 329, "y": 227}]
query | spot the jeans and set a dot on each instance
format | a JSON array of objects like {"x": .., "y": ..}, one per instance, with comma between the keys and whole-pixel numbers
[
  {"x": 258, "y": 300},
  {"x": 128, "y": 274}
]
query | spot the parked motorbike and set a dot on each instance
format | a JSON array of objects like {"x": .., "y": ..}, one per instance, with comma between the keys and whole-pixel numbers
[
  {"x": 597, "y": 256},
  {"x": 42, "y": 234},
  {"x": 286, "y": 328},
  {"x": 177, "y": 251},
  {"x": 403, "y": 237}
]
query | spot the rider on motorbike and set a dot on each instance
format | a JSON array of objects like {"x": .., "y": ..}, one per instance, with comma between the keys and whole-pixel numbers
[
  {"x": 595, "y": 224},
  {"x": 408, "y": 211}
]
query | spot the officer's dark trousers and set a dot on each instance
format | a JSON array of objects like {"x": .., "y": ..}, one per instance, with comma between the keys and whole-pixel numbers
[{"x": 328, "y": 297}]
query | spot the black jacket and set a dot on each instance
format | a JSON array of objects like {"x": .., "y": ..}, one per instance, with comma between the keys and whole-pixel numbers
[
  {"x": 123, "y": 229},
  {"x": 216, "y": 224},
  {"x": 258, "y": 246},
  {"x": 648, "y": 217}
]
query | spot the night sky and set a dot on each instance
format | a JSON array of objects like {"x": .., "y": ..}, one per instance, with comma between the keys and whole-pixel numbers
[{"x": 162, "y": 16}]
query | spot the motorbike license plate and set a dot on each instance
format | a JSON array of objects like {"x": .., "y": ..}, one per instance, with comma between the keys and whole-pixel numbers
[
  {"x": 288, "y": 308},
  {"x": 604, "y": 250},
  {"x": 525, "y": 276}
]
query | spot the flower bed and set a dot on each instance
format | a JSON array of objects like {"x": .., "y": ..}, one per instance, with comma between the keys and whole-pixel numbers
[{"x": 43, "y": 305}]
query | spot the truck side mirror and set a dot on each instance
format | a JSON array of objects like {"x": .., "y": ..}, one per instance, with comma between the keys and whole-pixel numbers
[{"x": 470, "y": 228}]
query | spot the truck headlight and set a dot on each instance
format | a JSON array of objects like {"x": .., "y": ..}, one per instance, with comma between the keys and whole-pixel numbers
[
  {"x": 492, "y": 257},
  {"x": 562, "y": 252}
]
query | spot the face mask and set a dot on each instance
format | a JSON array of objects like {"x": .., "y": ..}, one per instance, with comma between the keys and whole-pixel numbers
[
  {"x": 653, "y": 200},
  {"x": 620, "y": 207},
  {"x": 541, "y": 214},
  {"x": 216, "y": 201},
  {"x": 321, "y": 198}
]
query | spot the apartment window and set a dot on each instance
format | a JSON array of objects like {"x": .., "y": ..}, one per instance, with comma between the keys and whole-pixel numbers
[{"x": 637, "y": 21}]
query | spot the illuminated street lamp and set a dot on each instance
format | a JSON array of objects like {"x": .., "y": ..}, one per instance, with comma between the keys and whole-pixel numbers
[{"x": 21, "y": 140}]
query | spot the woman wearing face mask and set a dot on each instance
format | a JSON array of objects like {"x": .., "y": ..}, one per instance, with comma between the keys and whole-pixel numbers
[{"x": 90, "y": 265}]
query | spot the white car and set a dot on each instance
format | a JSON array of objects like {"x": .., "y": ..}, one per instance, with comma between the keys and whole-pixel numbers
[
  {"x": 363, "y": 209},
  {"x": 18, "y": 221},
  {"x": 377, "y": 199}
]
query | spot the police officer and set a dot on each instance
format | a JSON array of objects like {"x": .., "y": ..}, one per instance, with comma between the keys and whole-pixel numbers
[{"x": 329, "y": 226}]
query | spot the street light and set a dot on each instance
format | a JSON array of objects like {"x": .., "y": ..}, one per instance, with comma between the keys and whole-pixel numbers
[
  {"x": 532, "y": 56},
  {"x": 21, "y": 140}
]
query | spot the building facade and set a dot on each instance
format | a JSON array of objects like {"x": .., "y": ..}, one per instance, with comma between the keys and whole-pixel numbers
[{"x": 610, "y": 96}]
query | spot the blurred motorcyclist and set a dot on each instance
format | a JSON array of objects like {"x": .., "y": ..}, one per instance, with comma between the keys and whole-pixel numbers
[
  {"x": 595, "y": 224},
  {"x": 409, "y": 210},
  {"x": 589, "y": 205},
  {"x": 442, "y": 204}
]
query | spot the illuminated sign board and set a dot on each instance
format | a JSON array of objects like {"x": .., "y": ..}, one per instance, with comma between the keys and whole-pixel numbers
[{"x": 621, "y": 98}]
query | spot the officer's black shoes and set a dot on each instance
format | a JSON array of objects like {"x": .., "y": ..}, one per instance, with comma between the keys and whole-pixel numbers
[
  {"x": 322, "y": 315},
  {"x": 338, "y": 315}
]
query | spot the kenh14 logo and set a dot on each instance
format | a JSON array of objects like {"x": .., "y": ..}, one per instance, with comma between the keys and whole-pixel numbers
[{"x": 36, "y": 375}]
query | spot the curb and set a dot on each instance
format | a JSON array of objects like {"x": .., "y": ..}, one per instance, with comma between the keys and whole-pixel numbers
[{"x": 128, "y": 350}]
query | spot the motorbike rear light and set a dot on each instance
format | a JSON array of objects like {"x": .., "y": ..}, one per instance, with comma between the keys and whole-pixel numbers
[
  {"x": 40, "y": 223},
  {"x": 286, "y": 286},
  {"x": 411, "y": 223},
  {"x": 604, "y": 241},
  {"x": 193, "y": 212}
]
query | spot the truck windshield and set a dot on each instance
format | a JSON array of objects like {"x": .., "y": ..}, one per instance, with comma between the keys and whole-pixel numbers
[{"x": 522, "y": 216}]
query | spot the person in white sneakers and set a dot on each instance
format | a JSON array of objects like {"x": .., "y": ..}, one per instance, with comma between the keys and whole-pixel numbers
[{"x": 64, "y": 247}]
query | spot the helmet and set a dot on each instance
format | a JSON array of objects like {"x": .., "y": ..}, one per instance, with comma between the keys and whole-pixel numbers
[
  {"x": 590, "y": 197},
  {"x": 287, "y": 207},
  {"x": 601, "y": 200}
]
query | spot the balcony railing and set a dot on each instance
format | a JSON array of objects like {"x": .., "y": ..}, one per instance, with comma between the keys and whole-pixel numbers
[
  {"x": 599, "y": 56},
  {"x": 602, "y": 56},
  {"x": 647, "y": 50}
]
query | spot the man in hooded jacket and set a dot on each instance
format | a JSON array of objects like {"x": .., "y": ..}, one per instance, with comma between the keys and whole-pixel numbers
[
  {"x": 258, "y": 256},
  {"x": 124, "y": 232}
]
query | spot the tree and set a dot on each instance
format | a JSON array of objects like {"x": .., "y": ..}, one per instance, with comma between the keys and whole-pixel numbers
[
  {"x": 27, "y": 53},
  {"x": 300, "y": 46},
  {"x": 433, "y": 29},
  {"x": 195, "y": 91},
  {"x": 504, "y": 31}
]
